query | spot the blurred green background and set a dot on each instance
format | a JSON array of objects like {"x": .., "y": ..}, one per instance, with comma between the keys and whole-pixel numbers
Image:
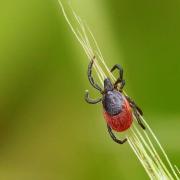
[{"x": 47, "y": 131}]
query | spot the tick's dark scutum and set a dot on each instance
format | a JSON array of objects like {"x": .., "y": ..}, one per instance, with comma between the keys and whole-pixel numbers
[{"x": 113, "y": 102}]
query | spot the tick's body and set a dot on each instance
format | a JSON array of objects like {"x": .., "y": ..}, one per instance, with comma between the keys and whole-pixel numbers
[
  {"x": 117, "y": 111},
  {"x": 118, "y": 108}
]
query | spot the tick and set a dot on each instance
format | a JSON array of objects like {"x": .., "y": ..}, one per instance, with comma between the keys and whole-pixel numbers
[{"x": 118, "y": 109}]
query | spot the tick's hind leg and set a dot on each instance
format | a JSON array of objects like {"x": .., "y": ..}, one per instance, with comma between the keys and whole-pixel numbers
[
  {"x": 134, "y": 104},
  {"x": 120, "y": 79},
  {"x": 91, "y": 101},
  {"x": 114, "y": 137},
  {"x": 138, "y": 118},
  {"x": 136, "y": 111},
  {"x": 91, "y": 80}
]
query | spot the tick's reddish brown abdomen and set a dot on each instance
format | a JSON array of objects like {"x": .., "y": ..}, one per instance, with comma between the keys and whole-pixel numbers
[{"x": 121, "y": 121}]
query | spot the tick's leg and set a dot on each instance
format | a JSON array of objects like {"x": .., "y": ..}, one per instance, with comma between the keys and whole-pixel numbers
[
  {"x": 138, "y": 118},
  {"x": 114, "y": 137},
  {"x": 89, "y": 100},
  {"x": 136, "y": 111},
  {"x": 120, "y": 79},
  {"x": 117, "y": 66},
  {"x": 122, "y": 84},
  {"x": 132, "y": 102},
  {"x": 91, "y": 80}
]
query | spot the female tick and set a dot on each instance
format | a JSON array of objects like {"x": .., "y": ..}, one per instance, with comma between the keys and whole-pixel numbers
[{"x": 118, "y": 108}]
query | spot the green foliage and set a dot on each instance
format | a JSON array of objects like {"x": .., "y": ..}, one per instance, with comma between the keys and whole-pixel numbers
[{"x": 46, "y": 129}]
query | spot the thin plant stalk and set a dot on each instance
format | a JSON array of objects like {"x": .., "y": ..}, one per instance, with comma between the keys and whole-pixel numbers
[{"x": 139, "y": 140}]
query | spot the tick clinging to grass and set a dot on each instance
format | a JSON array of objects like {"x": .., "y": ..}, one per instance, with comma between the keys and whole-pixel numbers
[{"x": 118, "y": 108}]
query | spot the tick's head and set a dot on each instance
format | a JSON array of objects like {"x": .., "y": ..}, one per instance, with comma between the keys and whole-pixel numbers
[{"x": 108, "y": 85}]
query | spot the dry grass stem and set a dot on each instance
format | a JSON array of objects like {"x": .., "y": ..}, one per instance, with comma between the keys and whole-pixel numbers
[{"x": 157, "y": 167}]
